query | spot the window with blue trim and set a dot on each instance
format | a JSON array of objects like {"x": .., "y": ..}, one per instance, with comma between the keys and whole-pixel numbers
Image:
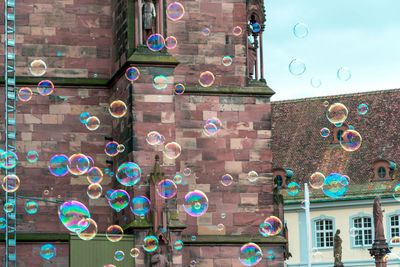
[
  {"x": 364, "y": 231},
  {"x": 324, "y": 233},
  {"x": 394, "y": 226}
]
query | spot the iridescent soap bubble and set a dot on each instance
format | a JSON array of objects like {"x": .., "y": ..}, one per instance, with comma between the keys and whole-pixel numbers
[
  {"x": 25, "y": 94},
  {"x": 206, "y": 31},
  {"x": 304, "y": 204},
  {"x": 317, "y": 180},
  {"x": 351, "y": 140},
  {"x": 59, "y": 53},
  {"x": 293, "y": 188},
  {"x": 132, "y": 74},
  {"x": 94, "y": 191},
  {"x": 212, "y": 126},
  {"x": 226, "y": 61},
  {"x": 95, "y": 175},
  {"x": 362, "y": 109},
  {"x": 160, "y": 82},
  {"x": 315, "y": 82},
  {"x": 140, "y": 206},
  {"x": 119, "y": 199},
  {"x": 195, "y": 203},
  {"x": 178, "y": 178},
  {"x": 396, "y": 192},
  {"x": 237, "y": 30},
  {"x": 8, "y": 207},
  {"x": 8, "y": 160},
  {"x": 111, "y": 149},
  {"x": 172, "y": 150},
  {"x": 47, "y": 251},
  {"x": 32, "y": 156},
  {"x": 93, "y": 123},
  {"x": 155, "y": 42},
  {"x": 79, "y": 164},
  {"x": 325, "y": 132},
  {"x": 134, "y": 252},
  {"x": 10, "y": 183},
  {"x": 226, "y": 180},
  {"x": 154, "y": 138},
  {"x": 187, "y": 171},
  {"x": 167, "y": 188},
  {"x": 91, "y": 162},
  {"x": 334, "y": 185},
  {"x": 297, "y": 67},
  {"x": 84, "y": 117},
  {"x": 91, "y": 229},
  {"x": 121, "y": 148},
  {"x": 114, "y": 233},
  {"x": 344, "y": 74},
  {"x": 37, "y": 67},
  {"x": 206, "y": 79},
  {"x": 353, "y": 232},
  {"x": 276, "y": 225},
  {"x": 300, "y": 30},
  {"x": 45, "y": 87},
  {"x": 175, "y": 11},
  {"x": 265, "y": 229},
  {"x": 31, "y": 207},
  {"x": 270, "y": 254},
  {"x": 3, "y": 223},
  {"x": 119, "y": 255},
  {"x": 171, "y": 42},
  {"x": 117, "y": 109},
  {"x": 128, "y": 174},
  {"x": 193, "y": 263},
  {"x": 150, "y": 243},
  {"x": 178, "y": 245},
  {"x": 337, "y": 113},
  {"x": 220, "y": 227},
  {"x": 255, "y": 27},
  {"x": 326, "y": 103},
  {"x": 70, "y": 213},
  {"x": 250, "y": 254},
  {"x": 223, "y": 215},
  {"x": 179, "y": 89},
  {"x": 252, "y": 176}
]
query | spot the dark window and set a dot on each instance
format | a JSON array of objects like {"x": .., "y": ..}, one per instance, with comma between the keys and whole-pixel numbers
[
  {"x": 339, "y": 135},
  {"x": 381, "y": 172},
  {"x": 278, "y": 180}
]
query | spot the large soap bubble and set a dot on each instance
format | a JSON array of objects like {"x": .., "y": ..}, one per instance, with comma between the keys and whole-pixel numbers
[{"x": 70, "y": 214}]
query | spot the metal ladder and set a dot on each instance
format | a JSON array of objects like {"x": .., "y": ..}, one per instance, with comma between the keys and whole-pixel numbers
[{"x": 10, "y": 127}]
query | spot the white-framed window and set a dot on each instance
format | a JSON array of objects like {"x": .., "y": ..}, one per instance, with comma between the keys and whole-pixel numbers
[
  {"x": 323, "y": 233},
  {"x": 363, "y": 227},
  {"x": 394, "y": 226}
]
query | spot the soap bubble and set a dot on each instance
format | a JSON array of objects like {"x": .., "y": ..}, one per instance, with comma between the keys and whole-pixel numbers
[
  {"x": 25, "y": 94},
  {"x": 227, "y": 61},
  {"x": 3, "y": 223},
  {"x": 70, "y": 213},
  {"x": 317, "y": 180},
  {"x": 140, "y": 205},
  {"x": 396, "y": 192},
  {"x": 250, "y": 254},
  {"x": 362, "y": 109},
  {"x": 8, "y": 160},
  {"x": 179, "y": 89},
  {"x": 114, "y": 233},
  {"x": 47, "y": 251},
  {"x": 206, "y": 31},
  {"x": 171, "y": 42},
  {"x": 226, "y": 180},
  {"x": 93, "y": 123},
  {"x": 187, "y": 171},
  {"x": 79, "y": 164},
  {"x": 121, "y": 148},
  {"x": 10, "y": 183},
  {"x": 178, "y": 245},
  {"x": 95, "y": 175},
  {"x": 84, "y": 117},
  {"x": 175, "y": 11},
  {"x": 119, "y": 255},
  {"x": 150, "y": 243},
  {"x": 172, "y": 150},
  {"x": 353, "y": 232},
  {"x": 128, "y": 174},
  {"x": 134, "y": 252},
  {"x": 45, "y": 87},
  {"x": 117, "y": 109},
  {"x": 325, "y": 132},
  {"x": 344, "y": 74},
  {"x": 132, "y": 74},
  {"x": 220, "y": 227},
  {"x": 293, "y": 188},
  {"x": 351, "y": 140},
  {"x": 275, "y": 223},
  {"x": 335, "y": 185},
  {"x": 255, "y": 27},
  {"x": 111, "y": 149},
  {"x": 223, "y": 215},
  {"x": 119, "y": 199},
  {"x": 37, "y": 67},
  {"x": 271, "y": 254},
  {"x": 304, "y": 204},
  {"x": 8, "y": 207},
  {"x": 178, "y": 178},
  {"x": 154, "y": 138},
  {"x": 300, "y": 30},
  {"x": 91, "y": 229},
  {"x": 167, "y": 189},
  {"x": 195, "y": 203},
  {"x": 31, "y": 207},
  {"x": 155, "y": 42},
  {"x": 237, "y": 30},
  {"x": 206, "y": 79},
  {"x": 315, "y": 82},
  {"x": 297, "y": 67},
  {"x": 94, "y": 191},
  {"x": 252, "y": 176},
  {"x": 337, "y": 113},
  {"x": 160, "y": 82}
]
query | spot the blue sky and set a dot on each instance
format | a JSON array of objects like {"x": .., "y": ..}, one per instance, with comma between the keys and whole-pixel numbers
[{"x": 361, "y": 35}]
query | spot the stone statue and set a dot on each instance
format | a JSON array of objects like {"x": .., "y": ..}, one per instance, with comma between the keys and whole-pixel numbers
[
  {"x": 251, "y": 56},
  {"x": 159, "y": 260},
  {"x": 148, "y": 19},
  {"x": 337, "y": 249},
  {"x": 378, "y": 216}
]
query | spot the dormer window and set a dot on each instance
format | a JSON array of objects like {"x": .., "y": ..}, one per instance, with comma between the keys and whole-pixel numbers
[
  {"x": 383, "y": 170},
  {"x": 282, "y": 177}
]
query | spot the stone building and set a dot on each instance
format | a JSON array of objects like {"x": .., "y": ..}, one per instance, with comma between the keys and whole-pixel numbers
[{"x": 87, "y": 46}]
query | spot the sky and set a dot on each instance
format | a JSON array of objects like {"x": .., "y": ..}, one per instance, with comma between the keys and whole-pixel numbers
[{"x": 361, "y": 35}]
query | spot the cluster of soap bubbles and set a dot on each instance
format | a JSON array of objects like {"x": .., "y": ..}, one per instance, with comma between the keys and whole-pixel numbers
[
  {"x": 113, "y": 148},
  {"x": 154, "y": 138},
  {"x": 92, "y": 123}
]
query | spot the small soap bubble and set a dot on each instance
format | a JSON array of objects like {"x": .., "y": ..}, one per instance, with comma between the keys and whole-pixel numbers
[
  {"x": 304, "y": 204},
  {"x": 195, "y": 203},
  {"x": 91, "y": 229},
  {"x": 119, "y": 255},
  {"x": 10, "y": 183},
  {"x": 172, "y": 150},
  {"x": 362, "y": 109},
  {"x": 271, "y": 254},
  {"x": 160, "y": 82},
  {"x": 206, "y": 79},
  {"x": 121, "y": 148},
  {"x": 300, "y": 30},
  {"x": 179, "y": 89},
  {"x": 265, "y": 229},
  {"x": 178, "y": 178},
  {"x": 178, "y": 245},
  {"x": 114, "y": 233},
  {"x": 140, "y": 205},
  {"x": 344, "y": 74},
  {"x": 154, "y": 138},
  {"x": 193, "y": 238},
  {"x": 226, "y": 61},
  {"x": 132, "y": 74},
  {"x": 128, "y": 174},
  {"x": 84, "y": 117},
  {"x": 206, "y": 31},
  {"x": 187, "y": 171},
  {"x": 155, "y": 42},
  {"x": 223, "y": 215},
  {"x": 47, "y": 251},
  {"x": 255, "y": 27},
  {"x": 325, "y": 132},
  {"x": 95, "y": 175},
  {"x": 175, "y": 11},
  {"x": 134, "y": 252},
  {"x": 351, "y": 140},
  {"x": 8, "y": 207},
  {"x": 293, "y": 188},
  {"x": 353, "y": 232},
  {"x": 226, "y": 180},
  {"x": 237, "y": 30},
  {"x": 193, "y": 263},
  {"x": 150, "y": 243},
  {"x": 167, "y": 189},
  {"x": 252, "y": 176},
  {"x": 95, "y": 75},
  {"x": 317, "y": 180},
  {"x": 3, "y": 223},
  {"x": 275, "y": 223},
  {"x": 111, "y": 149},
  {"x": 25, "y": 94},
  {"x": 93, "y": 123},
  {"x": 118, "y": 109},
  {"x": 396, "y": 192},
  {"x": 46, "y": 192},
  {"x": 31, "y": 207},
  {"x": 45, "y": 87},
  {"x": 32, "y": 156},
  {"x": 79, "y": 164},
  {"x": 171, "y": 42},
  {"x": 337, "y": 113},
  {"x": 220, "y": 227},
  {"x": 59, "y": 53},
  {"x": 212, "y": 127},
  {"x": 315, "y": 82},
  {"x": 297, "y": 67},
  {"x": 94, "y": 191},
  {"x": 38, "y": 67}
]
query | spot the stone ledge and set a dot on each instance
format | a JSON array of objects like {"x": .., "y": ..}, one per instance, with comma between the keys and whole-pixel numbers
[
  {"x": 231, "y": 90},
  {"x": 232, "y": 240},
  {"x": 40, "y": 237}
]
